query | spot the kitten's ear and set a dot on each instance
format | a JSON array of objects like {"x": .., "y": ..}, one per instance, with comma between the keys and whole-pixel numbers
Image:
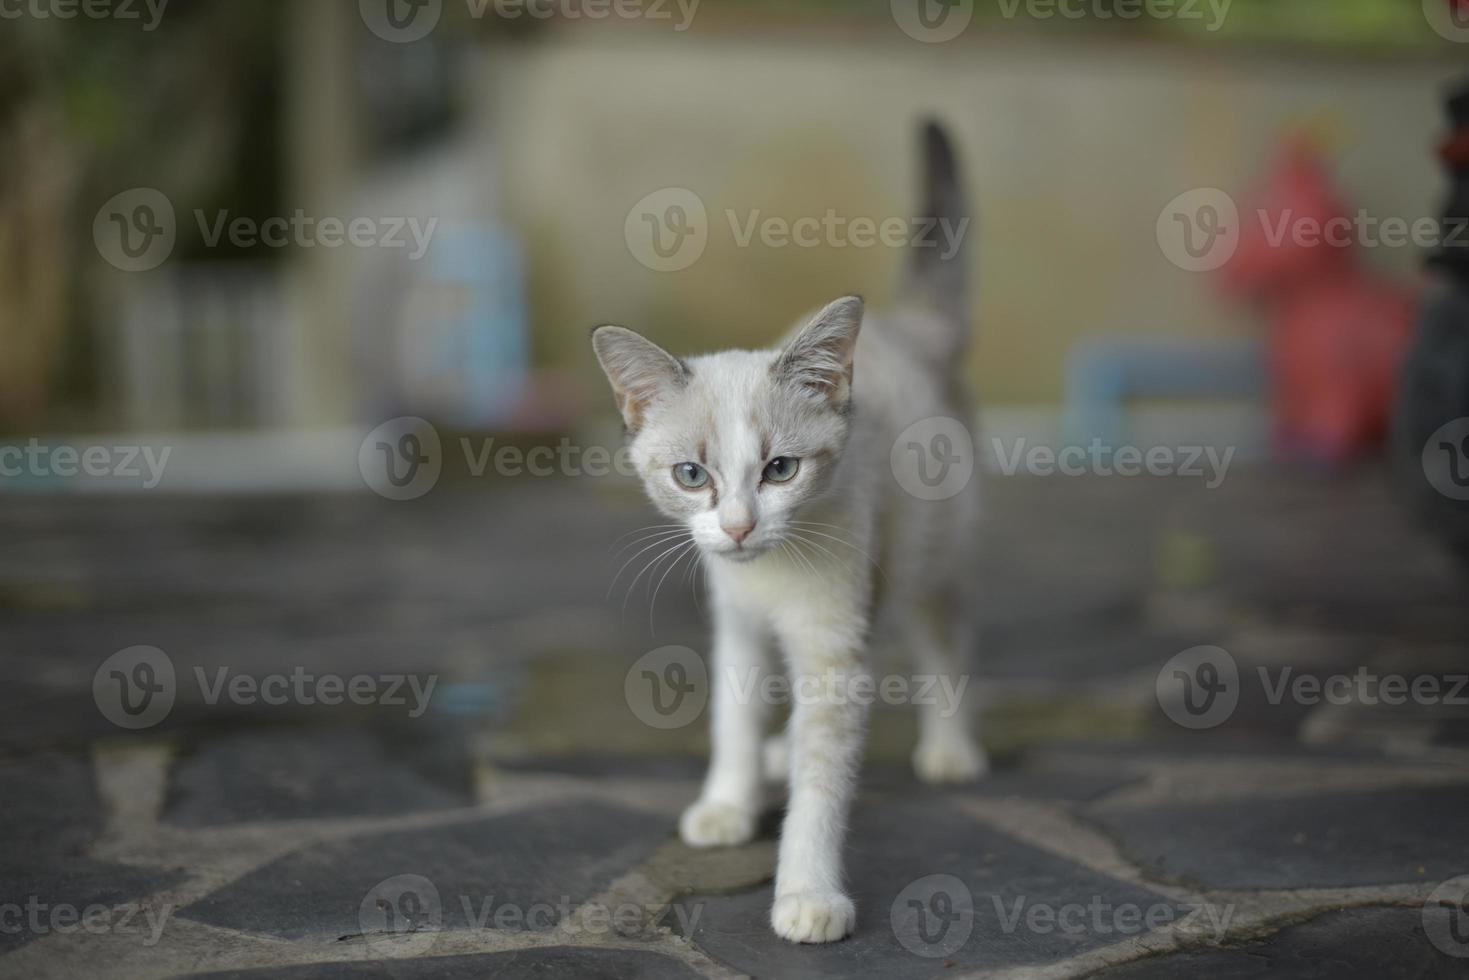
[
  {"x": 639, "y": 370},
  {"x": 819, "y": 358}
]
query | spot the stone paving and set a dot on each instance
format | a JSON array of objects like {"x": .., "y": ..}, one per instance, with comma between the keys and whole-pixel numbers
[{"x": 494, "y": 804}]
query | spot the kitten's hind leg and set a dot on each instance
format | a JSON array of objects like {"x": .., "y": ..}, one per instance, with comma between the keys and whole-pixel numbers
[
  {"x": 730, "y": 802},
  {"x": 947, "y": 751}
]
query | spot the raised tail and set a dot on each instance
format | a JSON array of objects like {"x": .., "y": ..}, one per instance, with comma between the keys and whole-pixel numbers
[{"x": 936, "y": 277}]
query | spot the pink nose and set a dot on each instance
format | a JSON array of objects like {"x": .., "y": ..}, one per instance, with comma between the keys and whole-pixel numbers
[{"x": 738, "y": 532}]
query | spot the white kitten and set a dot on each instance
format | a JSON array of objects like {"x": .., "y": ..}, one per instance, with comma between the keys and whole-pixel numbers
[{"x": 777, "y": 464}]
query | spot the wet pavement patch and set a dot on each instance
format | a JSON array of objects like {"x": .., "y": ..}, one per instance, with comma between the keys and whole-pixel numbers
[
  {"x": 282, "y": 774},
  {"x": 523, "y": 870},
  {"x": 1387, "y": 837}
]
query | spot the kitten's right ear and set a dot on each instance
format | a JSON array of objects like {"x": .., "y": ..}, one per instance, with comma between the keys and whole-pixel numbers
[{"x": 639, "y": 370}]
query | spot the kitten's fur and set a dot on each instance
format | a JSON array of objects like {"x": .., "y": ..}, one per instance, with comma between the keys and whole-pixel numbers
[{"x": 805, "y": 577}]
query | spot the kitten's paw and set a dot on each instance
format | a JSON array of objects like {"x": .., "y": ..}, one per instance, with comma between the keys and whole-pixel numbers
[
  {"x": 777, "y": 758},
  {"x": 950, "y": 760},
  {"x": 813, "y": 917},
  {"x": 716, "y": 825}
]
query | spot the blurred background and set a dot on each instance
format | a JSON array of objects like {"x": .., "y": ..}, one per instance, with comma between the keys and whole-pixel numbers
[
  {"x": 295, "y": 377},
  {"x": 523, "y": 134}
]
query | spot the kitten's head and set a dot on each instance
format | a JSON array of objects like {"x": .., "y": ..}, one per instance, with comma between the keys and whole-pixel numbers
[{"x": 732, "y": 445}]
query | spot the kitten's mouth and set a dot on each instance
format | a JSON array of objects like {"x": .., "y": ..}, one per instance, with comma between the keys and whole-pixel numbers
[{"x": 743, "y": 553}]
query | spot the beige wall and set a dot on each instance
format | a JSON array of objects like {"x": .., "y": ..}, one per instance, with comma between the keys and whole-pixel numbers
[{"x": 1072, "y": 150}]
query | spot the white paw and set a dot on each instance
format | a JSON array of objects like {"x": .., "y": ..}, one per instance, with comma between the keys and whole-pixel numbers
[
  {"x": 716, "y": 825},
  {"x": 950, "y": 760},
  {"x": 813, "y": 917},
  {"x": 777, "y": 758}
]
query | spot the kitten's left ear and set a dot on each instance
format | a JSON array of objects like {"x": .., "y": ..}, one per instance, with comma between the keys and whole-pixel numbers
[{"x": 819, "y": 358}]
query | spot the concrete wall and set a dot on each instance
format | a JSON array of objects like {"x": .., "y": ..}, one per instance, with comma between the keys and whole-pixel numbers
[{"x": 1072, "y": 150}]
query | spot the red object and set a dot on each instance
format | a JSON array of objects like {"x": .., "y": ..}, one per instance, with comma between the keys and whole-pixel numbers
[{"x": 1338, "y": 332}]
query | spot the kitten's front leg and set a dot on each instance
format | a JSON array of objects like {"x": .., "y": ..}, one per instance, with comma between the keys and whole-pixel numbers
[
  {"x": 826, "y": 732},
  {"x": 730, "y": 801}
]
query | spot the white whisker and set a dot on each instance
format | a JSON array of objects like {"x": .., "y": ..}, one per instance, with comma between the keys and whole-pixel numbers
[{"x": 663, "y": 539}]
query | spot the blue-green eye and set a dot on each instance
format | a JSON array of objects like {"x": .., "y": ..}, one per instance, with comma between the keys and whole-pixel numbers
[
  {"x": 781, "y": 469},
  {"x": 691, "y": 475}
]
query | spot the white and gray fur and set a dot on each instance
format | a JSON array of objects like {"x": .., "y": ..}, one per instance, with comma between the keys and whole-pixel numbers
[{"x": 822, "y": 566}]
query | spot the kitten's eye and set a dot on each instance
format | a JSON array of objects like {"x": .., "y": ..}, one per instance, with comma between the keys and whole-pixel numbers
[
  {"x": 690, "y": 475},
  {"x": 781, "y": 469}
]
